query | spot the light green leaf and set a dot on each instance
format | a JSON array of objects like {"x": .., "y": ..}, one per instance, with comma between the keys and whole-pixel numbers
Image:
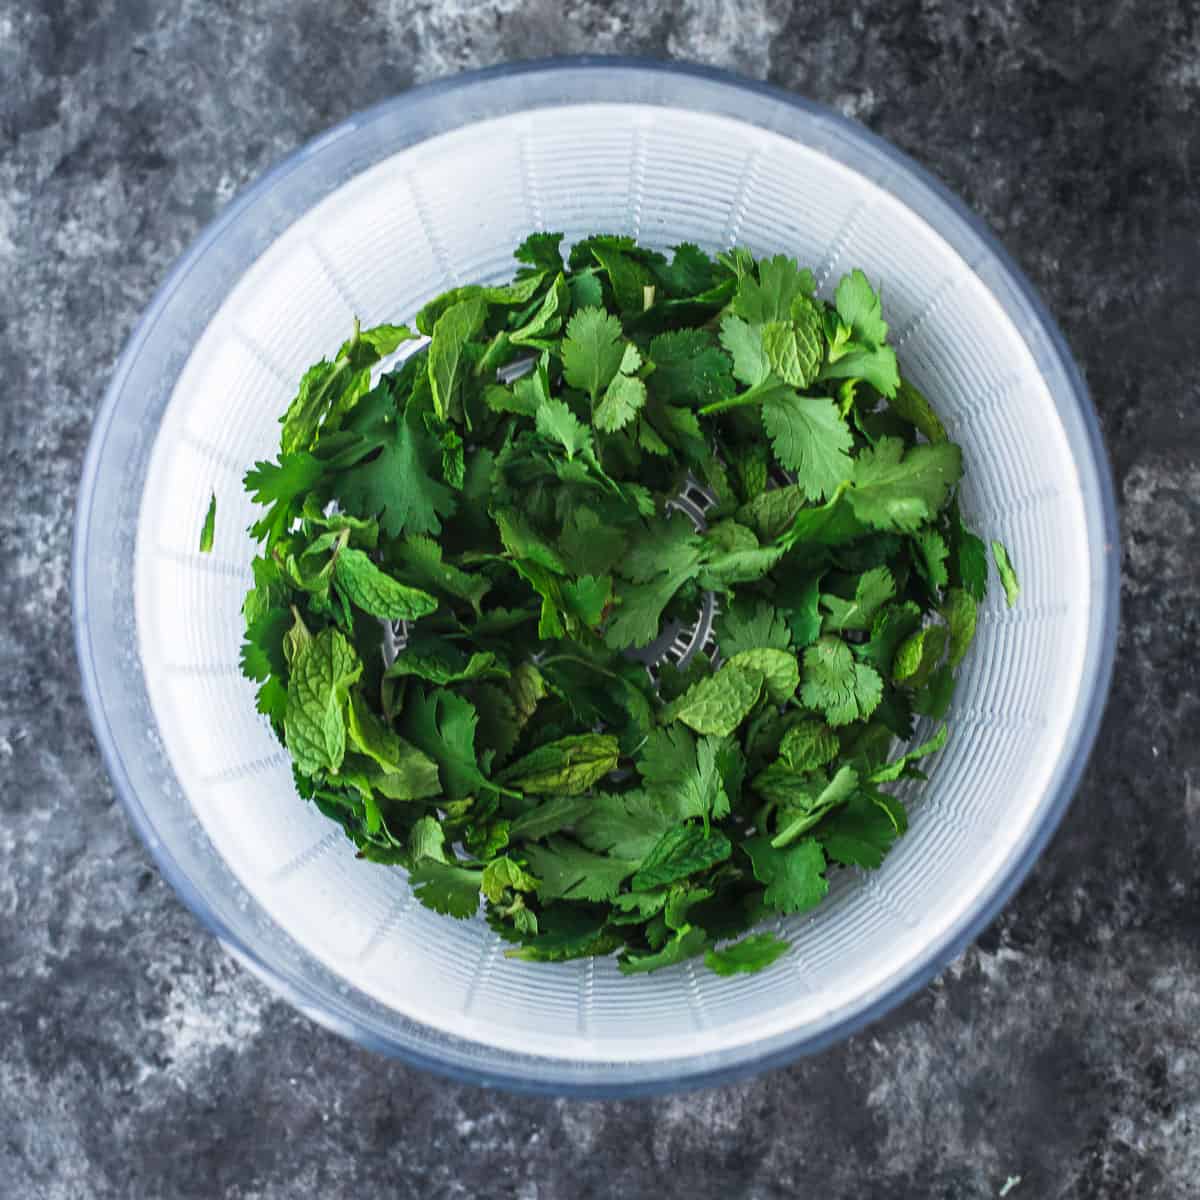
[
  {"x": 314, "y": 725},
  {"x": 369, "y": 588},
  {"x": 1008, "y": 574},
  {"x": 719, "y": 703}
]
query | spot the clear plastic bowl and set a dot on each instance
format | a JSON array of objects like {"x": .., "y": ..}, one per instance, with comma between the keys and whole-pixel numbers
[{"x": 434, "y": 189}]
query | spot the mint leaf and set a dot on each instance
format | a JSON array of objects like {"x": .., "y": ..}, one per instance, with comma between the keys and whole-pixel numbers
[
  {"x": 682, "y": 851},
  {"x": 210, "y": 521},
  {"x": 565, "y": 767},
  {"x": 314, "y": 724},
  {"x": 719, "y": 704},
  {"x": 369, "y": 588},
  {"x": 1008, "y": 576}
]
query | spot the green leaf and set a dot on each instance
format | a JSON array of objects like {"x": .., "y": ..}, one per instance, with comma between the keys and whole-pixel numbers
[
  {"x": 683, "y": 776},
  {"x": 627, "y": 825},
  {"x": 835, "y": 793},
  {"x": 1008, "y": 575},
  {"x": 751, "y": 954},
  {"x": 911, "y": 405},
  {"x": 804, "y": 620},
  {"x": 897, "y": 490},
  {"x": 557, "y": 423},
  {"x": 900, "y": 768},
  {"x": 386, "y": 339},
  {"x": 876, "y": 366},
  {"x": 564, "y": 767},
  {"x": 836, "y": 685},
  {"x": 794, "y": 878},
  {"x": 447, "y": 352},
  {"x": 541, "y": 251},
  {"x": 859, "y": 307},
  {"x": 794, "y": 348},
  {"x": 397, "y": 485},
  {"x": 747, "y": 626},
  {"x": 931, "y": 558},
  {"x": 859, "y": 833},
  {"x": 314, "y": 724},
  {"x": 210, "y": 521},
  {"x": 961, "y": 613},
  {"x": 933, "y": 700},
  {"x": 592, "y": 350},
  {"x": 282, "y": 485},
  {"x": 442, "y": 725},
  {"x": 503, "y": 873},
  {"x": 769, "y": 297},
  {"x": 687, "y": 943},
  {"x": 420, "y": 560},
  {"x": 968, "y": 557},
  {"x": 889, "y": 629},
  {"x": 689, "y": 369},
  {"x": 918, "y": 654},
  {"x": 720, "y": 703},
  {"x": 622, "y": 400},
  {"x": 449, "y": 667},
  {"x": 567, "y": 871},
  {"x": 450, "y": 890},
  {"x": 744, "y": 344},
  {"x": 553, "y": 816},
  {"x": 873, "y": 590},
  {"x": 779, "y": 669},
  {"x": 682, "y": 851},
  {"x": 369, "y": 588},
  {"x": 810, "y": 438},
  {"x": 809, "y": 745}
]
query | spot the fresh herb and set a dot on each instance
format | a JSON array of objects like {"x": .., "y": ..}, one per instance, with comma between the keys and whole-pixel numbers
[
  {"x": 210, "y": 523},
  {"x": 462, "y": 556}
]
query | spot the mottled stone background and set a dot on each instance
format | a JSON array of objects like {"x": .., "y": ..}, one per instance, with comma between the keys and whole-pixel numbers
[{"x": 137, "y": 1061}]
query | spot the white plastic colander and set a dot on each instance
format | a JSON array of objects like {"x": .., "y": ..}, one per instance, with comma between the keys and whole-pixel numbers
[{"x": 434, "y": 189}]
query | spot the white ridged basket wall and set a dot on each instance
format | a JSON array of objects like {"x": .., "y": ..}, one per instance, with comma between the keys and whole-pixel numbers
[{"x": 434, "y": 190}]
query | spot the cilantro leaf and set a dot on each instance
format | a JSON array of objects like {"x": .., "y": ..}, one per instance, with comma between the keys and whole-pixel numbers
[
  {"x": 398, "y": 484},
  {"x": 836, "y": 685},
  {"x": 744, "y": 344},
  {"x": 442, "y": 724},
  {"x": 859, "y": 833},
  {"x": 794, "y": 877},
  {"x": 895, "y": 489},
  {"x": 769, "y": 297},
  {"x": 752, "y": 627},
  {"x": 687, "y": 943},
  {"x": 566, "y": 871},
  {"x": 592, "y": 350},
  {"x": 858, "y": 305},
  {"x": 810, "y": 438},
  {"x": 689, "y": 368},
  {"x": 447, "y": 889},
  {"x": 873, "y": 590},
  {"x": 751, "y": 954}
]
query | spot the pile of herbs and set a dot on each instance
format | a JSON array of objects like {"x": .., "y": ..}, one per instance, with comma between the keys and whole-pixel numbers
[{"x": 462, "y": 555}]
